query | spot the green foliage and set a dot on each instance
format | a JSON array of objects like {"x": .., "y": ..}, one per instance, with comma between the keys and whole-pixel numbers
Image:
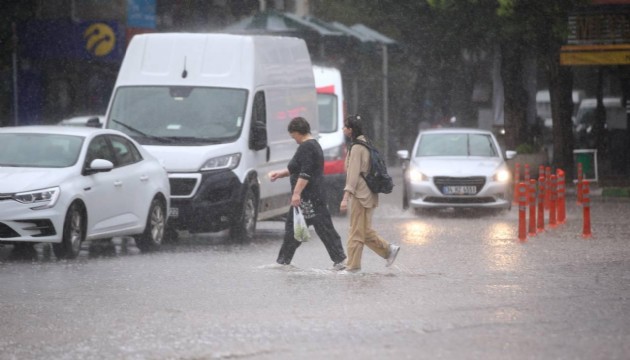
[
  {"x": 526, "y": 148},
  {"x": 616, "y": 192}
]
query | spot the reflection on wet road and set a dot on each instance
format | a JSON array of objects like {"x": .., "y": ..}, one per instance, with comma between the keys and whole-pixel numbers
[{"x": 462, "y": 287}]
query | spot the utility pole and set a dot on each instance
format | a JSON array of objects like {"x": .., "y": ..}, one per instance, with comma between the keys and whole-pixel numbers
[
  {"x": 15, "y": 73},
  {"x": 301, "y": 8},
  {"x": 385, "y": 101}
]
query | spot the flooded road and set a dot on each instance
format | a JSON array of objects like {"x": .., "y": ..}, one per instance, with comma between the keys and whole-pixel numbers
[{"x": 462, "y": 287}]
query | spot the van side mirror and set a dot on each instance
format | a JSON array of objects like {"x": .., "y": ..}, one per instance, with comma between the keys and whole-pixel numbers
[{"x": 258, "y": 136}]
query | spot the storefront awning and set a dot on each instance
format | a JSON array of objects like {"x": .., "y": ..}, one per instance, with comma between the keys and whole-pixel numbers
[{"x": 584, "y": 55}]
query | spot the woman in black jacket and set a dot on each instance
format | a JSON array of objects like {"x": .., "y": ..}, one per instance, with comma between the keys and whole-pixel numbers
[{"x": 306, "y": 172}]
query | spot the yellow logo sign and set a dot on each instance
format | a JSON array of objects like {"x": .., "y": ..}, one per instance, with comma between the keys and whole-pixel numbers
[{"x": 100, "y": 39}]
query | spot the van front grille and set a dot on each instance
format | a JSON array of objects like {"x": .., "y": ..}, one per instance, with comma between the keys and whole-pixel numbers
[{"x": 182, "y": 186}]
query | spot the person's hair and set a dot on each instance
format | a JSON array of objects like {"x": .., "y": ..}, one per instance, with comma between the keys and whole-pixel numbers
[
  {"x": 299, "y": 125},
  {"x": 355, "y": 123}
]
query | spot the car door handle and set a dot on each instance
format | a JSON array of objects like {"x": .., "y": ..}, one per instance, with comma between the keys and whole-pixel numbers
[
  {"x": 144, "y": 178},
  {"x": 118, "y": 183}
]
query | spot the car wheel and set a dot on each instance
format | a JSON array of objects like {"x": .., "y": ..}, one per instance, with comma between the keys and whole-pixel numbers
[
  {"x": 405, "y": 194},
  {"x": 151, "y": 238},
  {"x": 74, "y": 230},
  {"x": 405, "y": 197},
  {"x": 244, "y": 226}
]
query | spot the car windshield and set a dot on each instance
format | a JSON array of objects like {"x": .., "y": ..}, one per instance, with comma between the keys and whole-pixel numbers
[
  {"x": 39, "y": 150},
  {"x": 456, "y": 144},
  {"x": 178, "y": 114},
  {"x": 327, "y": 113}
]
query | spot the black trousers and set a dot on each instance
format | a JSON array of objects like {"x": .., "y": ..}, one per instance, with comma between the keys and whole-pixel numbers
[{"x": 325, "y": 230}]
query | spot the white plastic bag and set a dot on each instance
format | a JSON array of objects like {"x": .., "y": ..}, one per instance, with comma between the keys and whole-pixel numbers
[{"x": 300, "y": 229}]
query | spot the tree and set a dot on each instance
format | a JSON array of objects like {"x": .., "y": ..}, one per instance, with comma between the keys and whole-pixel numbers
[
  {"x": 544, "y": 25},
  {"x": 435, "y": 73},
  {"x": 447, "y": 44}
]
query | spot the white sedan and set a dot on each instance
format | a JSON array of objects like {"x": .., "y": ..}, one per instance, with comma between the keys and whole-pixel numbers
[
  {"x": 65, "y": 185},
  {"x": 456, "y": 168}
]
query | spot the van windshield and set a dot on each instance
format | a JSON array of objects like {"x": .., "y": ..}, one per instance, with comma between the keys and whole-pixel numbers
[
  {"x": 327, "y": 113},
  {"x": 178, "y": 114}
]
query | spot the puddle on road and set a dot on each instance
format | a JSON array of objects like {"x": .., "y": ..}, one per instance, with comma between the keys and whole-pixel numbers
[{"x": 394, "y": 271}]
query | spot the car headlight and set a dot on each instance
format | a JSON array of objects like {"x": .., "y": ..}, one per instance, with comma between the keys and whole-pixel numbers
[
  {"x": 44, "y": 198},
  {"x": 222, "y": 162},
  {"x": 501, "y": 176},
  {"x": 417, "y": 176}
]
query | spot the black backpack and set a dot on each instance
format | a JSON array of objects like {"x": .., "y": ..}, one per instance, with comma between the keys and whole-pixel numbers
[{"x": 377, "y": 178}]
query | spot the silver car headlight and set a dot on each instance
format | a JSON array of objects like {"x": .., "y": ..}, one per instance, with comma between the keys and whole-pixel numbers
[
  {"x": 44, "y": 198},
  {"x": 501, "y": 176},
  {"x": 222, "y": 162},
  {"x": 417, "y": 176}
]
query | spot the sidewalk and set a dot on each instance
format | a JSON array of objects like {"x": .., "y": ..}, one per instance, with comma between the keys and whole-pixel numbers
[{"x": 603, "y": 193}]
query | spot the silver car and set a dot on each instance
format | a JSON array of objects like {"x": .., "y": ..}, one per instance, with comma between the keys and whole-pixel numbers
[{"x": 456, "y": 168}]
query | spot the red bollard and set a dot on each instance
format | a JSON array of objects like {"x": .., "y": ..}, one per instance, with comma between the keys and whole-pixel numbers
[
  {"x": 548, "y": 187},
  {"x": 561, "y": 203},
  {"x": 521, "y": 189},
  {"x": 526, "y": 178},
  {"x": 541, "y": 170},
  {"x": 586, "y": 206},
  {"x": 553, "y": 188},
  {"x": 517, "y": 176},
  {"x": 579, "y": 183},
  {"x": 532, "y": 207},
  {"x": 541, "y": 204}
]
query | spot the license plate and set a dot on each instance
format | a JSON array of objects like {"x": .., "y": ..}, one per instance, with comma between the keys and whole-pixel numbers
[
  {"x": 459, "y": 190},
  {"x": 173, "y": 212}
]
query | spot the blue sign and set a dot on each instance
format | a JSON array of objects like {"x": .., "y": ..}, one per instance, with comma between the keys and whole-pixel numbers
[
  {"x": 141, "y": 14},
  {"x": 67, "y": 40}
]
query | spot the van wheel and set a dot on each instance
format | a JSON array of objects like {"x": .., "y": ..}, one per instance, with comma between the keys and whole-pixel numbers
[
  {"x": 243, "y": 226},
  {"x": 74, "y": 230},
  {"x": 151, "y": 238},
  {"x": 171, "y": 236}
]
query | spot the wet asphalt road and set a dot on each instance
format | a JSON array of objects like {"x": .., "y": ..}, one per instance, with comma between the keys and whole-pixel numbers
[{"x": 461, "y": 288}]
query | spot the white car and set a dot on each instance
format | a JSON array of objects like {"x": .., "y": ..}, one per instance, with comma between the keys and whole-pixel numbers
[
  {"x": 456, "y": 168},
  {"x": 64, "y": 185}
]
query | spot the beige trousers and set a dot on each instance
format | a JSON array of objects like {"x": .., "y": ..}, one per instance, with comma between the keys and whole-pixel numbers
[{"x": 360, "y": 234}]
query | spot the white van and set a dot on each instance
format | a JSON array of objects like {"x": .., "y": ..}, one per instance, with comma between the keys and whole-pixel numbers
[
  {"x": 214, "y": 108},
  {"x": 331, "y": 113}
]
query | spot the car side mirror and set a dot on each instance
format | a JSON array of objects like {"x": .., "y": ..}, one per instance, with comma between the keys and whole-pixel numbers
[
  {"x": 510, "y": 154},
  {"x": 99, "y": 165},
  {"x": 258, "y": 136},
  {"x": 403, "y": 154}
]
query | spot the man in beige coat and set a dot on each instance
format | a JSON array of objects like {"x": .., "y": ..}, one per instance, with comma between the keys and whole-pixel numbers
[{"x": 362, "y": 202}]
